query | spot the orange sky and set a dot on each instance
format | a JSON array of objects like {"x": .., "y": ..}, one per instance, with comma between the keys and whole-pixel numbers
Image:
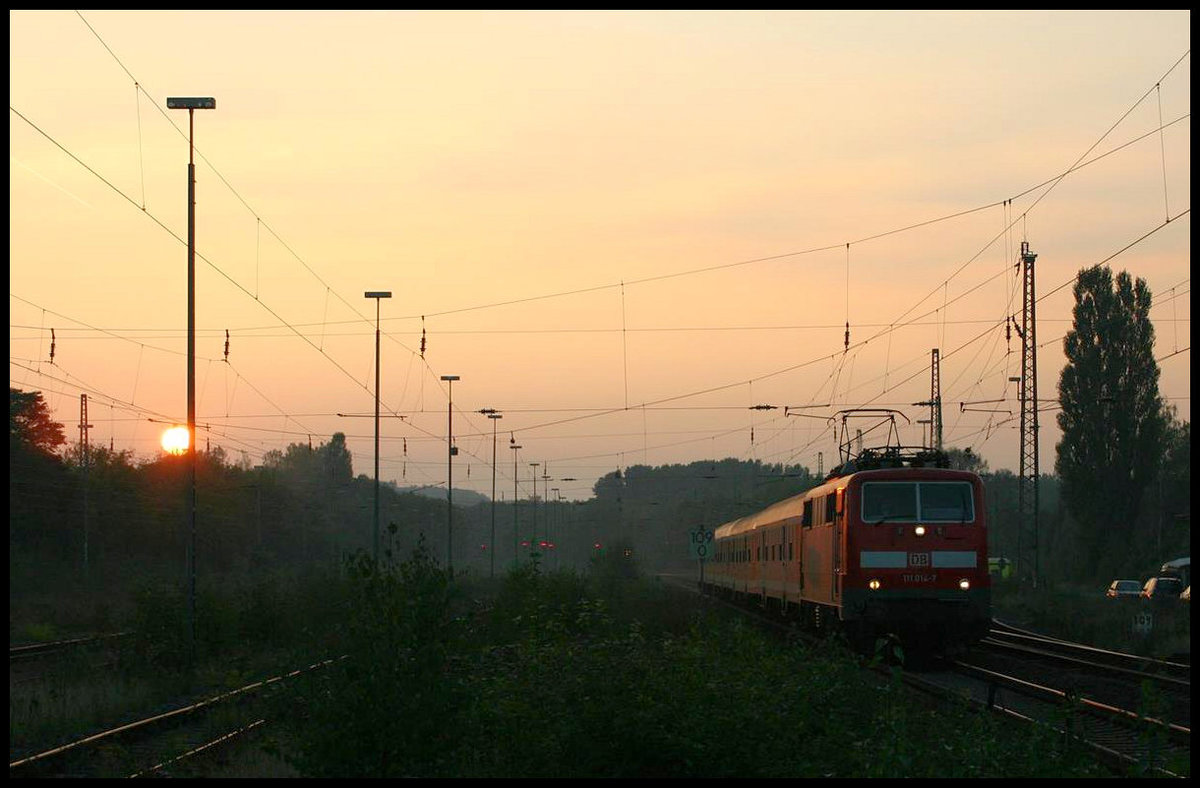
[{"x": 621, "y": 229}]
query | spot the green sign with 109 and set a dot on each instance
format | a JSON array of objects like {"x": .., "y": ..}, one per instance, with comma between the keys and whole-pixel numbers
[{"x": 700, "y": 543}]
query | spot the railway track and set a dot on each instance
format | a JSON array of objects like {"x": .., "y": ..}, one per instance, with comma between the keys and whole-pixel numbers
[
  {"x": 34, "y": 651},
  {"x": 31, "y": 661},
  {"x": 1121, "y": 680},
  {"x": 1166, "y": 672},
  {"x": 158, "y": 743},
  {"x": 1132, "y": 712}
]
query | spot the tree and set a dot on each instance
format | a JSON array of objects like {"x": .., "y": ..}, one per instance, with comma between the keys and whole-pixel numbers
[
  {"x": 29, "y": 422},
  {"x": 966, "y": 460},
  {"x": 1173, "y": 497},
  {"x": 336, "y": 461},
  {"x": 1113, "y": 420},
  {"x": 41, "y": 502}
]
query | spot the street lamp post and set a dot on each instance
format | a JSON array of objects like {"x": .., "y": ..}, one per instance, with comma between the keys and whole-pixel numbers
[
  {"x": 554, "y": 524},
  {"x": 533, "y": 505},
  {"x": 191, "y": 104},
  {"x": 516, "y": 503},
  {"x": 493, "y": 415},
  {"x": 450, "y": 452},
  {"x": 545, "y": 503},
  {"x": 377, "y": 295}
]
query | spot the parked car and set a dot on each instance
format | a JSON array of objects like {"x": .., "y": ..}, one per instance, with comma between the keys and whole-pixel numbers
[
  {"x": 1162, "y": 589},
  {"x": 1124, "y": 588},
  {"x": 1180, "y": 567}
]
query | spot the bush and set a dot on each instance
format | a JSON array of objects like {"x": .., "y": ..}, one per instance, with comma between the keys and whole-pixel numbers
[{"x": 389, "y": 708}]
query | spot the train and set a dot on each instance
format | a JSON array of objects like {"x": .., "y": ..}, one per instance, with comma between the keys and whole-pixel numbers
[{"x": 890, "y": 545}]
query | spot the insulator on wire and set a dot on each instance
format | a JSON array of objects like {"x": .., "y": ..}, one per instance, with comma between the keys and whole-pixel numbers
[
  {"x": 227, "y": 346},
  {"x": 52, "y": 346},
  {"x": 847, "y": 346},
  {"x": 422, "y": 336},
  {"x": 405, "y": 446}
]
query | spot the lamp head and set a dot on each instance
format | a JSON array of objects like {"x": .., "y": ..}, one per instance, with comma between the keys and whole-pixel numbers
[{"x": 191, "y": 102}]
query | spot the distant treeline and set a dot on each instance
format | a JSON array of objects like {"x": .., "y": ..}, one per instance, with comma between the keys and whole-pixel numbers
[{"x": 304, "y": 505}]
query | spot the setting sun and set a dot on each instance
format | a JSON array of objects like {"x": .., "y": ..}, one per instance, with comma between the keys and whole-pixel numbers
[{"x": 175, "y": 440}]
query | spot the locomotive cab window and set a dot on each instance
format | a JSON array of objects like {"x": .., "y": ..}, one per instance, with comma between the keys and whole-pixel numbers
[
  {"x": 946, "y": 502},
  {"x": 941, "y": 502}
]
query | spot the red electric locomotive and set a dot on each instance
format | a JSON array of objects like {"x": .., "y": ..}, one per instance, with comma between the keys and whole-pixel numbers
[{"x": 891, "y": 544}]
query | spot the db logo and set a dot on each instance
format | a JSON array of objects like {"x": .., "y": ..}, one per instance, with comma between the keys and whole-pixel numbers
[{"x": 918, "y": 559}]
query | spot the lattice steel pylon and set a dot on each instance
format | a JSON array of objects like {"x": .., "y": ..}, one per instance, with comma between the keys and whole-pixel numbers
[
  {"x": 934, "y": 403},
  {"x": 84, "y": 462},
  {"x": 1028, "y": 569},
  {"x": 935, "y": 399}
]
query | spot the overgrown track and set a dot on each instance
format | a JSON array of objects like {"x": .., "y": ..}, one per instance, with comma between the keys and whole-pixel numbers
[
  {"x": 32, "y": 651},
  {"x": 1118, "y": 678},
  {"x": 156, "y": 742},
  {"x": 29, "y": 662}
]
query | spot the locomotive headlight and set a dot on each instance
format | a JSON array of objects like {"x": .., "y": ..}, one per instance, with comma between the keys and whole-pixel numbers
[
  {"x": 964, "y": 584},
  {"x": 873, "y": 584},
  {"x": 919, "y": 530}
]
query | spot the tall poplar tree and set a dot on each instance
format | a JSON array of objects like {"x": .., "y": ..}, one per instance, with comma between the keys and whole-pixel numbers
[{"x": 1113, "y": 420}]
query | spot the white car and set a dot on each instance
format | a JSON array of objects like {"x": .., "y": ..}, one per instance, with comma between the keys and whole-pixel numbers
[{"x": 1124, "y": 589}]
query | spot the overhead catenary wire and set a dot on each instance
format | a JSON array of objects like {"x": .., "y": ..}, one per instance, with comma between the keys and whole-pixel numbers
[
  {"x": 846, "y": 347},
  {"x": 1052, "y": 181}
]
